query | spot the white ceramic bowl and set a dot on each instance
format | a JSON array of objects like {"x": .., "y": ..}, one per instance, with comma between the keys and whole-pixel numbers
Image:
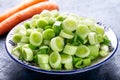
[{"x": 111, "y": 35}]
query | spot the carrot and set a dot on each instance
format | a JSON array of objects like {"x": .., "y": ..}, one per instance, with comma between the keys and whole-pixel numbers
[
  {"x": 19, "y": 7},
  {"x": 27, "y": 13}
]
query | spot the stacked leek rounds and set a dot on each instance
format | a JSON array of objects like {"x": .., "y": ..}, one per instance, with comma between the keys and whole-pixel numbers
[{"x": 55, "y": 41}]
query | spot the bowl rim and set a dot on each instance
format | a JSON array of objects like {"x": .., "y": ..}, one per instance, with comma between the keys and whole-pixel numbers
[{"x": 58, "y": 72}]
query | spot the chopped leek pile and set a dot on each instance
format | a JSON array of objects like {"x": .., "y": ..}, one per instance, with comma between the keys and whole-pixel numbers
[{"x": 55, "y": 41}]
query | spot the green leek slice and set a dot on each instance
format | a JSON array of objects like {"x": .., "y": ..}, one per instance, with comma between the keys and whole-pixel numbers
[
  {"x": 55, "y": 59},
  {"x": 82, "y": 51}
]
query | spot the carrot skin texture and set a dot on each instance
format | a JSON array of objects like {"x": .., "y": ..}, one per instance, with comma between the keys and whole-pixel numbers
[
  {"x": 27, "y": 13},
  {"x": 18, "y": 8}
]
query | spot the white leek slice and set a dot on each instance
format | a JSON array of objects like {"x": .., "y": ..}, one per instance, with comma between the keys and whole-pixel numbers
[
  {"x": 48, "y": 34},
  {"x": 94, "y": 50},
  {"x": 75, "y": 16},
  {"x": 57, "y": 44},
  {"x": 27, "y": 54},
  {"x": 92, "y": 38},
  {"x": 99, "y": 30},
  {"x": 82, "y": 51},
  {"x": 22, "y": 30},
  {"x": 90, "y": 23},
  {"x": 104, "y": 47},
  {"x": 69, "y": 66},
  {"x": 17, "y": 38},
  {"x": 55, "y": 59},
  {"x": 103, "y": 53},
  {"x": 65, "y": 58},
  {"x": 16, "y": 51},
  {"x": 82, "y": 31},
  {"x": 25, "y": 39},
  {"x": 42, "y": 58},
  {"x": 42, "y": 22},
  {"x": 66, "y": 35},
  {"x": 45, "y": 13},
  {"x": 36, "y": 38},
  {"x": 69, "y": 24},
  {"x": 54, "y": 13},
  {"x": 44, "y": 66},
  {"x": 70, "y": 50},
  {"x": 46, "y": 42}
]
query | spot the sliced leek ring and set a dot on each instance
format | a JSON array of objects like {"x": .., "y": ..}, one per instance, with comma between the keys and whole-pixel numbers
[
  {"x": 66, "y": 35},
  {"x": 92, "y": 37},
  {"x": 69, "y": 24},
  {"x": 36, "y": 38},
  {"x": 27, "y": 54},
  {"x": 82, "y": 31},
  {"x": 82, "y": 51},
  {"x": 57, "y": 44},
  {"x": 42, "y": 58},
  {"x": 65, "y": 58},
  {"x": 70, "y": 50},
  {"x": 55, "y": 59}
]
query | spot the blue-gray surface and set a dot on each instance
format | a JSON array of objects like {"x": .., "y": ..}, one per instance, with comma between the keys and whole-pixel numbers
[{"x": 105, "y": 11}]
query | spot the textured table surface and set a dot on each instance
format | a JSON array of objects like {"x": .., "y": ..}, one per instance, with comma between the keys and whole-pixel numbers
[{"x": 105, "y": 11}]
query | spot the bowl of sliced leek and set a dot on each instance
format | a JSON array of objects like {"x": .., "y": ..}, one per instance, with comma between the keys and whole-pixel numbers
[{"x": 55, "y": 43}]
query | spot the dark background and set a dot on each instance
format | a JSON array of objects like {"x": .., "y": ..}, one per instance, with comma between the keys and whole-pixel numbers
[{"x": 105, "y": 11}]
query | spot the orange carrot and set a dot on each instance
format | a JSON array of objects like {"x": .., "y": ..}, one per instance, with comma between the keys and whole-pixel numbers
[
  {"x": 19, "y": 7},
  {"x": 27, "y": 13}
]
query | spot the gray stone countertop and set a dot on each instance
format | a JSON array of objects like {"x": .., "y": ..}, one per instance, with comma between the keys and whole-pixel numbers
[{"x": 105, "y": 11}]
